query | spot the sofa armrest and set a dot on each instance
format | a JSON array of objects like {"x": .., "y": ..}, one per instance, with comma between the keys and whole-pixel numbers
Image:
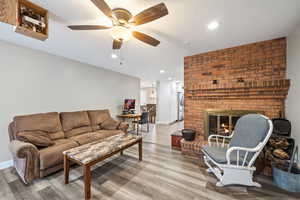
[
  {"x": 123, "y": 127},
  {"x": 20, "y": 149},
  {"x": 26, "y": 160}
]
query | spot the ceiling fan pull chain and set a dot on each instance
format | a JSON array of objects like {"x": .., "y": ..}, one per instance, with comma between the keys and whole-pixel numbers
[{"x": 121, "y": 57}]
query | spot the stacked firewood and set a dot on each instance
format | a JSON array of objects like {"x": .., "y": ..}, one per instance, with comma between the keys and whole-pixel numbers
[{"x": 278, "y": 149}]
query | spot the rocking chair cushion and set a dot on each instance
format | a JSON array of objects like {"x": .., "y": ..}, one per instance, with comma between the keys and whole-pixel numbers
[
  {"x": 218, "y": 154},
  {"x": 249, "y": 131}
]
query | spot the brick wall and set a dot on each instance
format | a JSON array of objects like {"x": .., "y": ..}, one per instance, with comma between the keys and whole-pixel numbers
[{"x": 248, "y": 77}]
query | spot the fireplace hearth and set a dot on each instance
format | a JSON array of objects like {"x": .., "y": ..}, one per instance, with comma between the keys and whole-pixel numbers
[{"x": 222, "y": 122}]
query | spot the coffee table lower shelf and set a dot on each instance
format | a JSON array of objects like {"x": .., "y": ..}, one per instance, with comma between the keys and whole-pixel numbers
[{"x": 87, "y": 166}]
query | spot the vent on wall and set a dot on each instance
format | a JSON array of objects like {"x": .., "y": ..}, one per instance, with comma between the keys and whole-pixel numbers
[
  {"x": 32, "y": 20},
  {"x": 29, "y": 19}
]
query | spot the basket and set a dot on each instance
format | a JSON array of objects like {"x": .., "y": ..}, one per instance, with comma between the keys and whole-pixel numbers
[{"x": 288, "y": 179}]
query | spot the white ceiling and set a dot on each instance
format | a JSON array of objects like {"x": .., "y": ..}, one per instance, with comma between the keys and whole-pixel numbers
[{"x": 182, "y": 32}]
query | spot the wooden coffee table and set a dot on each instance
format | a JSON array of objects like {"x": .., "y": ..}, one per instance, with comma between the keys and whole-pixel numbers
[{"x": 90, "y": 154}]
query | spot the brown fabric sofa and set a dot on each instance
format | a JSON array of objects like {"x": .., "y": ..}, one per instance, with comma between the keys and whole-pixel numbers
[{"x": 66, "y": 130}]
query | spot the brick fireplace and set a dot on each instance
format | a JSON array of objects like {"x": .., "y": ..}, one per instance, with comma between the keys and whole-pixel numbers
[{"x": 245, "y": 78}]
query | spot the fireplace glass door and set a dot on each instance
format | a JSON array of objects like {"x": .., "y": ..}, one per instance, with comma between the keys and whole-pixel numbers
[
  {"x": 220, "y": 125},
  {"x": 222, "y": 122}
]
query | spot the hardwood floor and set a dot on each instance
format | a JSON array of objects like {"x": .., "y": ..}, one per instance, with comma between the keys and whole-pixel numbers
[
  {"x": 160, "y": 133},
  {"x": 163, "y": 174}
]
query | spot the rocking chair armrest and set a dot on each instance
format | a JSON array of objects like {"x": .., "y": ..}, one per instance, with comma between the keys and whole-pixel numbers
[
  {"x": 220, "y": 136},
  {"x": 247, "y": 150}
]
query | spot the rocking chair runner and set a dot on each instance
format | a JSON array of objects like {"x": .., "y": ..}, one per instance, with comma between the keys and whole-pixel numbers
[{"x": 232, "y": 163}]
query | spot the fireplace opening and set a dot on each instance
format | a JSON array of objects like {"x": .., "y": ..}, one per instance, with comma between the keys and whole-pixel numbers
[{"x": 222, "y": 122}]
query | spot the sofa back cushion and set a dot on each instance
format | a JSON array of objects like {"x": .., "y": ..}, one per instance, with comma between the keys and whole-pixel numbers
[
  {"x": 45, "y": 122},
  {"x": 110, "y": 124},
  {"x": 75, "y": 123},
  {"x": 97, "y": 117},
  {"x": 38, "y": 138}
]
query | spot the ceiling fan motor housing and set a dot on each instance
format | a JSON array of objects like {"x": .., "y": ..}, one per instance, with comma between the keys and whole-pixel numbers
[{"x": 122, "y": 15}]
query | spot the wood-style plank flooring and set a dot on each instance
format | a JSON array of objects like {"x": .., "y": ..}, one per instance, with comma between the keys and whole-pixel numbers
[
  {"x": 160, "y": 133},
  {"x": 164, "y": 174}
]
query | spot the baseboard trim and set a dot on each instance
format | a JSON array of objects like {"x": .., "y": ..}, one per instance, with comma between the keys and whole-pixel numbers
[
  {"x": 6, "y": 164},
  {"x": 167, "y": 123},
  {"x": 162, "y": 122},
  {"x": 174, "y": 122}
]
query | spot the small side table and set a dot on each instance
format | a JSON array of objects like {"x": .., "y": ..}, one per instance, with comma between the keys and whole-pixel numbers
[
  {"x": 130, "y": 117},
  {"x": 175, "y": 140}
]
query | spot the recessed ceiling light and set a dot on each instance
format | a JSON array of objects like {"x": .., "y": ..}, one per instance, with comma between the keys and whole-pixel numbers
[
  {"x": 170, "y": 78},
  {"x": 162, "y": 71},
  {"x": 114, "y": 56},
  {"x": 213, "y": 25}
]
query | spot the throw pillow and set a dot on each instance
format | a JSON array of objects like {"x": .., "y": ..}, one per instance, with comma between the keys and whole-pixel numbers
[
  {"x": 110, "y": 124},
  {"x": 37, "y": 138}
]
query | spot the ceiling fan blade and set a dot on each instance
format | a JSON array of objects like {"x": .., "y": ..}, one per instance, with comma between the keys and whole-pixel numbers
[
  {"x": 87, "y": 27},
  {"x": 151, "y": 14},
  {"x": 117, "y": 44},
  {"x": 145, "y": 38},
  {"x": 102, "y": 5}
]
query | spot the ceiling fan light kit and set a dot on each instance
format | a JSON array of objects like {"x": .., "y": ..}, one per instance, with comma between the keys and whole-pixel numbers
[
  {"x": 121, "y": 33},
  {"x": 123, "y": 22}
]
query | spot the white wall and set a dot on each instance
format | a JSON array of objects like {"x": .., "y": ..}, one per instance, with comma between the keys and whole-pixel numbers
[
  {"x": 143, "y": 96},
  {"x": 166, "y": 102},
  {"x": 33, "y": 82},
  {"x": 293, "y": 73},
  {"x": 148, "y": 95}
]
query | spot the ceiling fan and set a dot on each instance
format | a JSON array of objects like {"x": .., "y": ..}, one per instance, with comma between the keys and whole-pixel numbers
[{"x": 123, "y": 22}]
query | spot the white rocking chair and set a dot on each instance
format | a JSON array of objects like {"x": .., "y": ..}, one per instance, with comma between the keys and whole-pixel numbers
[{"x": 232, "y": 162}]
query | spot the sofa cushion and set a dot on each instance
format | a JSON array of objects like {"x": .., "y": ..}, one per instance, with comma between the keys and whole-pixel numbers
[
  {"x": 61, "y": 141},
  {"x": 75, "y": 123},
  {"x": 97, "y": 117},
  {"x": 82, "y": 139},
  {"x": 51, "y": 156},
  {"x": 46, "y": 122},
  {"x": 107, "y": 133},
  {"x": 37, "y": 138},
  {"x": 94, "y": 136},
  {"x": 110, "y": 124}
]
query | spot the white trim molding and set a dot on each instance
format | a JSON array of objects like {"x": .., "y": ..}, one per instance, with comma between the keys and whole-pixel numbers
[
  {"x": 162, "y": 122},
  {"x": 6, "y": 164}
]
